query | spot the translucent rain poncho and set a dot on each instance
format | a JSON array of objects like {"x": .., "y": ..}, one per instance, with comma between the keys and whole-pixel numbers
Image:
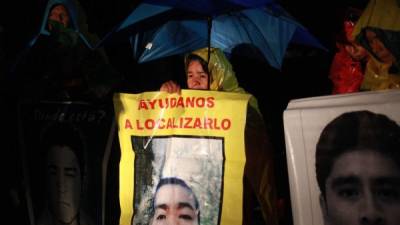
[
  {"x": 223, "y": 77},
  {"x": 259, "y": 170}
]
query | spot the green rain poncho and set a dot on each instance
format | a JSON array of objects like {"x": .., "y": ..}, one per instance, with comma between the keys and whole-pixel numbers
[{"x": 222, "y": 75}]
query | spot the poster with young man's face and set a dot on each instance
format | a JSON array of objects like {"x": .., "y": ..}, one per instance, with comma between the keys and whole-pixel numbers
[
  {"x": 64, "y": 146},
  {"x": 182, "y": 157},
  {"x": 195, "y": 161},
  {"x": 343, "y": 158}
]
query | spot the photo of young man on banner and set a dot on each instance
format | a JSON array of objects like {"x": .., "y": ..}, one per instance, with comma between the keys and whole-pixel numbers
[
  {"x": 174, "y": 202},
  {"x": 183, "y": 154},
  {"x": 197, "y": 162}
]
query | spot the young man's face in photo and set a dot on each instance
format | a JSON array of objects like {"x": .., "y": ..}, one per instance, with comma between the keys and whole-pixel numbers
[
  {"x": 174, "y": 205},
  {"x": 363, "y": 188},
  {"x": 63, "y": 183}
]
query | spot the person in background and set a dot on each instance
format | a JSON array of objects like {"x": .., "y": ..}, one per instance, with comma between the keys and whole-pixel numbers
[
  {"x": 60, "y": 62},
  {"x": 215, "y": 75},
  {"x": 214, "y": 72},
  {"x": 358, "y": 169},
  {"x": 378, "y": 31},
  {"x": 348, "y": 65}
]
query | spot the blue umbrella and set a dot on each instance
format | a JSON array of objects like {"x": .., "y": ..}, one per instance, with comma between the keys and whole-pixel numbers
[
  {"x": 151, "y": 13},
  {"x": 269, "y": 29},
  {"x": 209, "y": 7}
]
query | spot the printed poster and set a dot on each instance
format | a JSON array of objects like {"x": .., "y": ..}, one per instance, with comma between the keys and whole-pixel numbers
[
  {"x": 65, "y": 148},
  {"x": 304, "y": 120},
  {"x": 183, "y": 153}
]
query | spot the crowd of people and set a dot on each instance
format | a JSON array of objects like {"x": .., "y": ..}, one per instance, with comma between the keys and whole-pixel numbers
[{"x": 368, "y": 50}]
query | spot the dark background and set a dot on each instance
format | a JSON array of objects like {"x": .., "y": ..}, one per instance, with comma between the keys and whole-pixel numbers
[{"x": 304, "y": 73}]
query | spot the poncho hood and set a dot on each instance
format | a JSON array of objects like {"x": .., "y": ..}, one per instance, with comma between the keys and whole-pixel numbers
[
  {"x": 78, "y": 25},
  {"x": 223, "y": 77}
]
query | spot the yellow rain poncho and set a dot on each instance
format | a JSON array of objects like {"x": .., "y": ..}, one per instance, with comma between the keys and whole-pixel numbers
[
  {"x": 259, "y": 169},
  {"x": 382, "y": 17},
  {"x": 222, "y": 75}
]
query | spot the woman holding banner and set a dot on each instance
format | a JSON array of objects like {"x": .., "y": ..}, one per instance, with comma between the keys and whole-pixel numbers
[{"x": 217, "y": 75}]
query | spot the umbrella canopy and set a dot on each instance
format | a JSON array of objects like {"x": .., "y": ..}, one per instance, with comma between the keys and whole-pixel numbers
[
  {"x": 209, "y": 7},
  {"x": 269, "y": 29},
  {"x": 152, "y": 13}
]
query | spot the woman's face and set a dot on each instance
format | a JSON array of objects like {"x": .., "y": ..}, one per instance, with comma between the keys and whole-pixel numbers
[
  {"x": 197, "y": 78},
  {"x": 59, "y": 14},
  {"x": 378, "y": 48}
]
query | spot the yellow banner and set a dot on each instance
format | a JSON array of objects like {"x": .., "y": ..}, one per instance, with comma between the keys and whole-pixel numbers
[{"x": 181, "y": 153}]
